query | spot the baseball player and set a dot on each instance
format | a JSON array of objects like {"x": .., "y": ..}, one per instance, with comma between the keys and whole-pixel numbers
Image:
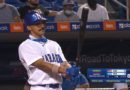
[{"x": 43, "y": 58}]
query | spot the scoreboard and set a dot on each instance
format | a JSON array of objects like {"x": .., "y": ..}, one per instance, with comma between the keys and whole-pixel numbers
[{"x": 108, "y": 75}]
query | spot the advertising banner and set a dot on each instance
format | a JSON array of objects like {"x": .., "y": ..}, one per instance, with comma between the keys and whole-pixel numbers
[
  {"x": 16, "y": 27},
  {"x": 4, "y": 28},
  {"x": 51, "y": 27},
  {"x": 123, "y": 25},
  {"x": 109, "y": 25},
  {"x": 63, "y": 26},
  {"x": 94, "y": 26}
]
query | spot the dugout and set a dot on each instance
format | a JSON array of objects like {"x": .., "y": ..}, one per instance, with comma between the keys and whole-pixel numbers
[{"x": 104, "y": 44}]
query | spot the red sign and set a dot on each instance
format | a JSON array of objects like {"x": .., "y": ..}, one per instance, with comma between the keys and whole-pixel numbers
[
  {"x": 16, "y": 27},
  {"x": 63, "y": 26},
  {"x": 109, "y": 25}
]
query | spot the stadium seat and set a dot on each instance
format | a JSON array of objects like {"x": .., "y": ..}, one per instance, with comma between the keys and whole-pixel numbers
[
  {"x": 56, "y": 5},
  {"x": 45, "y": 4},
  {"x": 101, "y": 2},
  {"x": 16, "y": 3}
]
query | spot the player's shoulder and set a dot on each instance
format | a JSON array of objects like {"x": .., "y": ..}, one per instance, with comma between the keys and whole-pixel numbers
[
  {"x": 52, "y": 42},
  {"x": 25, "y": 43}
]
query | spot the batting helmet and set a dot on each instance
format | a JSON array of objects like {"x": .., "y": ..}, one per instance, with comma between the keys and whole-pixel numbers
[{"x": 32, "y": 18}]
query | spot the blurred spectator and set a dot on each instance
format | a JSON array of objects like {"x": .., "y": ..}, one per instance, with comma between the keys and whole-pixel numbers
[
  {"x": 122, "y": 10},
  {"x": 8, "y": 13},
  {"x": 67, "y": 14},
  {"x": 97, "y": 12},
  {"x": 34, "y": 5},
  {"x": 57, "y": 5}
]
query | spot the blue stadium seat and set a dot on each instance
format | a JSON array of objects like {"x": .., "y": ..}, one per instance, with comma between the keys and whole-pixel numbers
[
  {"x": 56, "y": 5},
  {"x": 101, "y": 1},
  {"x": 50, "y": 19},
  {"x": 46, "y": 4},
  {"x": 16, "y": 3}
]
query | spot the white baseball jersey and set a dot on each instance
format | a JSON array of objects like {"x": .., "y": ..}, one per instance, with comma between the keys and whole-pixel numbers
[
  {"x": 30, "y": 51},
  {"x": 100, "y": 14}
]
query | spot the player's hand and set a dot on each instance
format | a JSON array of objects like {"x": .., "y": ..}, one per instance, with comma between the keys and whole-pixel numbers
[
  {"x": 80, "y": 81},
  {"x": 73, "y": 71}
]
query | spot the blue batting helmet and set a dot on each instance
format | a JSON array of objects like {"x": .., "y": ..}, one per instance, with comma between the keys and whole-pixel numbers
[{"x": 32, "y": 18}]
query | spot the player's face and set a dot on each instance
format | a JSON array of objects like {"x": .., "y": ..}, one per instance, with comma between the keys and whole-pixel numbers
[{"x": 37, "y": 30}]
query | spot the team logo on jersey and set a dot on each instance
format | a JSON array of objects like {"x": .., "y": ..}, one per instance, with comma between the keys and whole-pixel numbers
[{"x": 53, "y": 58}]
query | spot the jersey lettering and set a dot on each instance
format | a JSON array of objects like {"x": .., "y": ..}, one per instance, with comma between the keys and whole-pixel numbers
[
  {"x": 46, "y": 58},
  {"x": 53, "y": 58}
]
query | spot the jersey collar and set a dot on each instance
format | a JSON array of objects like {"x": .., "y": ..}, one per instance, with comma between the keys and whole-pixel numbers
[{"x": 43, "y": 39}]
